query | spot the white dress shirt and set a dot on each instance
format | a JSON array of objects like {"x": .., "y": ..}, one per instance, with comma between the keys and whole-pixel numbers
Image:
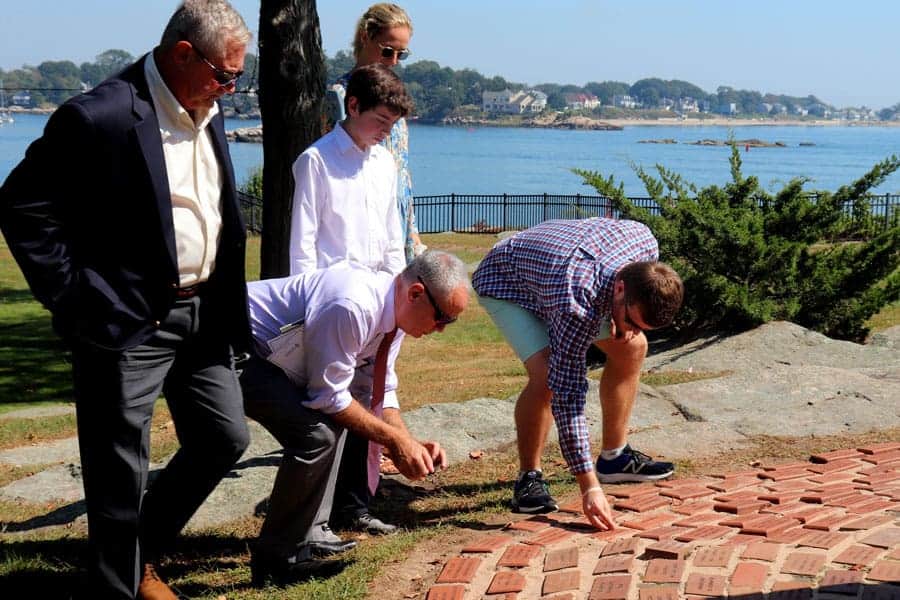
[
  {"x": 346, "y": 309},
  {"x": 345, "y": 207},
  {"x": 195, "y": 179}
]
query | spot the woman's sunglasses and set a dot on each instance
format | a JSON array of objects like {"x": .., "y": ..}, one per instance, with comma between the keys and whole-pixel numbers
[{"x": 388, "y": 52}]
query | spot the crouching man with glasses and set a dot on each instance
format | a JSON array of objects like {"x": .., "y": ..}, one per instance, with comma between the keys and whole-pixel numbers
[
  {"x": 553, "y": 290},
  {"x": 325, "y": 342}
]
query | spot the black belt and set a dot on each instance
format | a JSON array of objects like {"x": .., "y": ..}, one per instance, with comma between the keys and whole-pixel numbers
[{"x": 190, "y": 291}]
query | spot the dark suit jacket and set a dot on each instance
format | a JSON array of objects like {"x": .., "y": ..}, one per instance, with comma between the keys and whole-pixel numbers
[{"x": 88, "y": 216}]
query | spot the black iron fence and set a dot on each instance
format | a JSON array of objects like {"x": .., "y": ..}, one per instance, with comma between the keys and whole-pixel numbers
[{"x": 484, "y": 213}]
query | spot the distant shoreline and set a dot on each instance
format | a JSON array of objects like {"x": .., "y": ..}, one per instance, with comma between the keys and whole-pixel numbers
[{"x": 725, "y": 122}]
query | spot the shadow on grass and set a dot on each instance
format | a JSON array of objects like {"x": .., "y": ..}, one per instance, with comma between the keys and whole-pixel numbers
[{"x": 34, "y": 365}]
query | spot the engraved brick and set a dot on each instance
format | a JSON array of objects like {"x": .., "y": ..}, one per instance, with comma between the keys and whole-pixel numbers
[
  {"x": 881, "y": 592},
  {"x": 644, "y": 522},
  {"x": 740, "y": 508},
  {"x": 518, "y": 555},
  {"x": 885, "y": 538},
  {"x": 845, "y": 464},
  {"x": 488, "y": 543},
  {"x": 573, "y": 507},
  {"x": 633, "y": 491},
  {"x": 550, "y": 536},
  {"x": 658, "y": 592},
  {"x": 668, "y": 549},
  {"x": 791, "y": 590},
  {"x": 832, "y": 477},
  {"x": 780, "y": 498},
  {"x": 736, "y": 497},
  {"x": 730, "y": 484},
  {"x": 691, "y": 492},
  {"x": 803, "y": 563},
  {"x": 784, "y": 466},
  {"x": 705, "y": 585},
  {"x": 692, "y": 507},
  {"x": 707, "y": 532},
  {"x": 791, "y": 485},
  {"x": 879, "y": 448},
  {"x": 564, "y": 558},
  {"x": 744, "y": 473},
  {"x": 824, "y": 457},
  {"x": 785, "y": 474},
  {"x": 459, "y": 570},
  {"x": 559, "y": 582},
  {"x": 699, "y": 520},
  {"x": 858, "y": 555},
  {"x": 766, "y": 551},
  {"x": 564, "y": 596},
  {"x": 664, "y": 570},
  {"x": 507, "y": 581},
  {"x": 769, "y": 524},
  {"x": 894, "y": 554},
  {"x": 885, "y": 570},
  {"x": 870, "y": 506},
  {"x": 841, "y": 581},
  {"x": 610, "y": 587},
  {"x": 713, "y": 556},
  {"x": 850, "y": 499},
  {"x": 827, "y": 519},
  {"x": 741, "y": 539},
  {"x": 534, "y": 524},
  {"x": 787, "y": 536},
  {"x": 803, "y": 513},
  {"x": 660, "y": 533},
  {"x": 622, "y": 546},
  {"x": 749, "y": 576},
  {"x": 579, "y": 524},
  {"x": 446, "y": 592},
  {"x": 617, "y": 563},
  {"x": 644, "y": 503}
]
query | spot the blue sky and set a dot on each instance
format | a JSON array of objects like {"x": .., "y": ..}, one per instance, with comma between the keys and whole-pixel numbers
[{"x": 846, "y": 53}]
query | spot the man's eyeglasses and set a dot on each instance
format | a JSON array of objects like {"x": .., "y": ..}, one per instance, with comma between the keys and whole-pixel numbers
[
  {"x": 440, "y": 318},
  {"x": 388, "y": 52},
  {"x": 222, "y": 77}
]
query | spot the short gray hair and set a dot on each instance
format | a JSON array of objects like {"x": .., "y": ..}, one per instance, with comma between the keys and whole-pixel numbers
[
  {"x": 207, "y": 24},
  {"x": 442, "y": 272}
]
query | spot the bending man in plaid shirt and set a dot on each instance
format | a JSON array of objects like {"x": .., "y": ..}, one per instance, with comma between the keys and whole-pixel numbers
[{"x": 553, "y": 290}]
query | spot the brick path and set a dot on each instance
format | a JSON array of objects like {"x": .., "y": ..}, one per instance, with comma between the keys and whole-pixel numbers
[{"x": 828, "y": 528}]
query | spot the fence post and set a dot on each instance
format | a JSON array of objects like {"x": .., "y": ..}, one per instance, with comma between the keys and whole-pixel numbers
[
  {"x": 505, "y": 208},
  {"x": 453, "y": 212},
  {"x": 545, "y": 207}
]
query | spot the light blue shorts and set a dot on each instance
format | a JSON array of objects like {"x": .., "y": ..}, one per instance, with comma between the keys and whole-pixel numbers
[{"x": 525, "y": 332}]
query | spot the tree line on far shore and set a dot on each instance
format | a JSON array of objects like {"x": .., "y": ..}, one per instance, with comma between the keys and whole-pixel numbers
[{"x": 439, "y": 92}]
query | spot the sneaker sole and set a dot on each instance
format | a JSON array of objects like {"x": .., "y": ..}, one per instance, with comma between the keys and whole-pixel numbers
[
  {"x": 530, "y": 510},
  {"x": 631, "y": 477}
]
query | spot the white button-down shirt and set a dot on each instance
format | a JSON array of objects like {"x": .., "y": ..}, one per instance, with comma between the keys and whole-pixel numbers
[
  {"x": 345, "y": 207},
  {"x": 346, "y": 309},
  {"x": 195, "y": 179}
]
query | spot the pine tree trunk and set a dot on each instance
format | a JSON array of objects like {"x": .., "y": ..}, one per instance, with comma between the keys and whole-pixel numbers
[{"x": 291, "y": 89}]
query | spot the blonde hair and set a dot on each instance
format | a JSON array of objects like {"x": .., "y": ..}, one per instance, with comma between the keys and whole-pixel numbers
[{"x": 376, "y": 19}]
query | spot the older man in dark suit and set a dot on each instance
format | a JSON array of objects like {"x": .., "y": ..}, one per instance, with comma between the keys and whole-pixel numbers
[{"x": 124, "y": 219}]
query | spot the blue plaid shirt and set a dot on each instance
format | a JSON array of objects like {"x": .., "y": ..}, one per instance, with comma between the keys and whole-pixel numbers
[{"x": 563, "y": 272}]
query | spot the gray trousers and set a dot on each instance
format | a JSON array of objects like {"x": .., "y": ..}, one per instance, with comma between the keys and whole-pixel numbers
[
  {"x": 114, "y": 397},
  {"x": 300, "y": 503}
]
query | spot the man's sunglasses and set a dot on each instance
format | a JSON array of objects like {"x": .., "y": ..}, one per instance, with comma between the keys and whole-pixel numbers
[
  {"x": 440, "y": 318},
  {"x": 222, "y": 77},
  {"x": 388, "y": 52}
]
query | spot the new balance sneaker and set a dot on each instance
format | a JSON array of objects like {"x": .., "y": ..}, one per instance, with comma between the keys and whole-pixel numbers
[
  {"x": 532, "y": 495},
  {"x": 632, "y": 465}
]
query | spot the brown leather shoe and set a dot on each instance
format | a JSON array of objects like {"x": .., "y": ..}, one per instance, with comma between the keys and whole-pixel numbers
[{"x": 152, "y": 587}]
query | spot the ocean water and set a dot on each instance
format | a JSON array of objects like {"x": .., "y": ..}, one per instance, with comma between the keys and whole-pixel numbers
[{"x": 488, "y": 160}]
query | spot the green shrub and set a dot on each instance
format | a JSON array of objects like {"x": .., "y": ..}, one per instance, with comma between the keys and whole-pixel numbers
[
  {"x": 254, "y": 183},
  {"x": 748, "y": 257}
]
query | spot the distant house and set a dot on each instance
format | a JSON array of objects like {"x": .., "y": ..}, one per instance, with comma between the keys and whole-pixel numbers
[
  {"x": 513, "y": 103},
  {"x": 22, "y": 99},
  {"x": 688, "y": 105},
  {"x": 625, "y": 101},
  {"x": 581, "y": 101},
  {"x": 666, "y": 104}
]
